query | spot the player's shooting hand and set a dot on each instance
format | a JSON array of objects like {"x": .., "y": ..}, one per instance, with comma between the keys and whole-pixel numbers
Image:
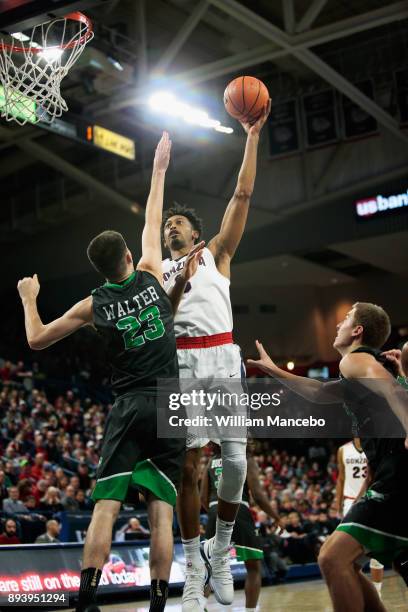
[
  {"x": 193, "y": 258},
  {"x": 162, "y": 154},
  {"x": 254, "y": 129},
  {"x": 394, "y": 356},
  {"x": 264, "y": 362},
  {"x": 28, "y": 287}
]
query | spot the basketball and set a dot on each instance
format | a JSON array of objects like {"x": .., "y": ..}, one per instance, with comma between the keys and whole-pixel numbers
[{"x": 245, "y": 97}]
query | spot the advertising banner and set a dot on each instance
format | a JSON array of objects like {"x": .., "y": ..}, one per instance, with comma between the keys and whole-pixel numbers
[{"x": 44, "y": 570}]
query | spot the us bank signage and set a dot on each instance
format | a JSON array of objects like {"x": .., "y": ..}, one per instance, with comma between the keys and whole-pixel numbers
[{"x": 379, "y": 205}]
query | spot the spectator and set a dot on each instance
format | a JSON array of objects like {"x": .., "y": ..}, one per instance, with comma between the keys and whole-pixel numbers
[
  {"x": 39, "y": 490},
  {"x": 12, "y": 505},
  {"x": 69, "y": 501},
  {"x": 83, "y": 474},
  {"x": 11, "y": 473},
  {"x": 83, "y": 502},
  {"x": 3, "y": 487},
  {"x": 31, "y": 506},
  {"x": 51, "y": 534},
  {"x": 37, "y": 470},
  {"x": 51, "y": 501},
  {"x": 135, "y": 526},
  {"x": 25, "y": 488},
  {"x": 75, "y": 482},
  {"x": 9, "y": 535}
]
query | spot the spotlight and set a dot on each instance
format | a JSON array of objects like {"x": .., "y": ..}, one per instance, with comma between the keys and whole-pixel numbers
[
  {"x": 20, "y": 36},
  {"x": 51, "y": 54},
  {"x": 166, "y": 102},
  {"x": 290, "y": 365}
]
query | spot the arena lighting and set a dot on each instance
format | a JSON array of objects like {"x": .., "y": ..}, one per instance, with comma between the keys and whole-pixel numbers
[
  {"x": 166, "y": 102},
  {"x": 51, "y": 54},
  {"x": 290, "y": 365},
  {"x": 115, "y": 63},
  {"x": 20, "y": 36}
]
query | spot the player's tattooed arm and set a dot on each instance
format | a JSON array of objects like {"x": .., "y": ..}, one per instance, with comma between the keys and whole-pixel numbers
[
  {"x": 257, "y": 492},
  {"x": 190, "y": 268},
  {"x": 151, "y": 259},
  {"x": 225, "y": 243},
  {"x": 40, "y": 335},
  {"x": 338, "y": 504}
]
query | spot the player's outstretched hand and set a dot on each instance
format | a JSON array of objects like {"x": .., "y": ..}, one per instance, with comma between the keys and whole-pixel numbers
[
  {"x": 28, "y": 287},
  {"x": 258, "y": 125},
  {"x": 162, "y": 155},
  {"x": 191, "y": 263},
  {"x": 394, "y": 356},
  {"x": 264, "y": 362}
]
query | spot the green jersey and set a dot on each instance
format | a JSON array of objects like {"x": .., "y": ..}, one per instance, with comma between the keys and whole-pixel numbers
[
  {"x": 135, "y": 320},
  {"x": 214, "y": 475}
]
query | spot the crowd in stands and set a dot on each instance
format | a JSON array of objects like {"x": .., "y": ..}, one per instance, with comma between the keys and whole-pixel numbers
[{"x": 49, "y": 451}]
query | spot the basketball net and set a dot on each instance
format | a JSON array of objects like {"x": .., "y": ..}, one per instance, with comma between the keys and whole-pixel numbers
[{"x": 31, "y": 71}]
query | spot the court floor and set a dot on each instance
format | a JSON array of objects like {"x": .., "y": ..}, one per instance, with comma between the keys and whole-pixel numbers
[{"x": 300, "y": 596}]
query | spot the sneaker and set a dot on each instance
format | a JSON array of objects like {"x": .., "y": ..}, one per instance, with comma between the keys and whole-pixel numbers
[
  {"x": 221, "y": 580},
  {"x": 193, "y": 599}
]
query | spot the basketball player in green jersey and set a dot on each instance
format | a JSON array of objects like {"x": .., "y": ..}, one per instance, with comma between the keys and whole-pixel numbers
[
  {"x": 247, "y": 543},
  {"x": 399, "y": 357},
  {"x": 134, "y": 316},
  {"x": 376, "y": 525}
]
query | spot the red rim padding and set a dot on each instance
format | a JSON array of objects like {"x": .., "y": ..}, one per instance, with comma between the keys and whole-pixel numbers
[{"x": 75, "y": 16}]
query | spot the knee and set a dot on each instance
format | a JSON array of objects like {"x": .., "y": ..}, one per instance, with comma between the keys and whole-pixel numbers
[
  {"x": 162, "y": 525},
  {"x": 234, "y": 470},
  {"x": 235, "y": 466},
  {"x": 328, "y": 562},
  {"x": 106, "y": 509}
]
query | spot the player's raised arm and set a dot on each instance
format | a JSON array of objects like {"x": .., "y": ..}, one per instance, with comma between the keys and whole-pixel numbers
[
  {"x": 40, "y": 335},
  {"x": 151, "y": 238},
  {"x": 190, "y": 268},
  {"x": 225, "y": 243}
]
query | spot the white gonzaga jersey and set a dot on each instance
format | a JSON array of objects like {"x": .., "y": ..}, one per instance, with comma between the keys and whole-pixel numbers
[
  {"x": 355, "y": 470},
  {"x": 205, "y": 308}
]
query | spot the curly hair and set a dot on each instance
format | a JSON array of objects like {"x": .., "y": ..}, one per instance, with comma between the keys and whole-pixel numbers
[{"x": 183, "y": 211}]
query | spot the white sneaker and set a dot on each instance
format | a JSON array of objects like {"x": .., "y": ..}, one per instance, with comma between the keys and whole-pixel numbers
[
  {"x": 193, "y": 599},
  {"x": 221, "y": 580}
]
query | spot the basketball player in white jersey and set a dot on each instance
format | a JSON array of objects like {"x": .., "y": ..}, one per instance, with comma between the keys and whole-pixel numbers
[
  {"x": 203, "y": 327},
  {"x": 353, "y": 471}
]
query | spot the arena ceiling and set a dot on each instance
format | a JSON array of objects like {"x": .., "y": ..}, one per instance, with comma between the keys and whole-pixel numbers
[{"x": 197, "y": 46}]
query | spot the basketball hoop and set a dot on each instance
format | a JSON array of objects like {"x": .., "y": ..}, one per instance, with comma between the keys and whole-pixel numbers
[{"x": 33, "y": 66}]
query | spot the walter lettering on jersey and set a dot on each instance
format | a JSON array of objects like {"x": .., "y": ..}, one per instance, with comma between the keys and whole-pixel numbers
[{"x": 126, "y": 307}]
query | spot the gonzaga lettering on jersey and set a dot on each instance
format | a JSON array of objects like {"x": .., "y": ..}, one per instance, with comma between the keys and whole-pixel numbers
[
  {"x": 355, "y": 470},
  {"x": 205, "y": 308}
]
